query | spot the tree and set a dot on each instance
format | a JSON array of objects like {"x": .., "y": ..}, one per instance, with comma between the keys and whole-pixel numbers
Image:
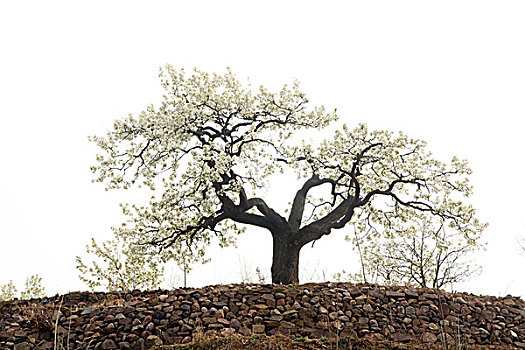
[
  {"x": 213, "y": 145},
  {"x": 425, "y": 253},
  {"x": 7, "y": 291},
  {"x": 33, "y": 288},
  {"x": 124, "y": 268}
]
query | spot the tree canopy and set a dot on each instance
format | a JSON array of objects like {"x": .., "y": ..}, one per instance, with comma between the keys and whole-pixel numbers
[{"x": 211, "y": 147}]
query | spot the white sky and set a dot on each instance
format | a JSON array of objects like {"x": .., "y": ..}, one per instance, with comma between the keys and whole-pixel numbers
[{"x": 449, "y": 72}]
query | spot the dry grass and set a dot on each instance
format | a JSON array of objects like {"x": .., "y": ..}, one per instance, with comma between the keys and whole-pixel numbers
[{"x": 281, "y": 342}]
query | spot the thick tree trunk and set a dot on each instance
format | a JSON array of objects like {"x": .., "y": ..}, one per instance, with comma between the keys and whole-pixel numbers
[{"x": 285, "y": 263}]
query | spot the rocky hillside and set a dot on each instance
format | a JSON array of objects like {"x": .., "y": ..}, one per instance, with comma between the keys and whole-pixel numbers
[{"x": 141, "y": 320}]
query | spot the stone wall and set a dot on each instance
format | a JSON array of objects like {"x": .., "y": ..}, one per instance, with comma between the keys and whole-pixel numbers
[{"x": 142, "y": 319}]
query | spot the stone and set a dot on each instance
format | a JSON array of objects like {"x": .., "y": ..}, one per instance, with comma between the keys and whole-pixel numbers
[
  {"x": 401, "y": 337},
  {"x": 153, "y": 340},
  {"x": 433, "y": 327},
  {"x": 20, "y": 333},
  {"x": 460, "y": 300},
  {"x": 410, "y": 310},
  {"x": 120, "y": 316},
  {"x": 123, "y": 345},
  {"x": 108, "y": 344},
  {"x": 150, "y": 327},
  {"x": 488, "y": 315},
  {"x": 276, "y": 318},
  {"x": 412, "y": 293},
  {"x": 363, "y": 320},
  {"x": 22, "y": 346},
  {"x": 159, "y": 315},
  {"x": 228, "y": 331},
  {"x": 280, "y": 296},
  {"x": 429, "y": 338},
  {"x": 223, "y": 321},
  {"x": 393, "y": 294},
  {"x": 368, "y": 308},
  {"x": 258, "y": 328},
  {"x": 235, "y": 324},
  {"x": 87, "y": 310},
  {"x": 185, "y": 307}
]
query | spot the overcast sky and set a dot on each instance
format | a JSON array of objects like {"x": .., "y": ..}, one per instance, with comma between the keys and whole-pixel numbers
[{"x": 449, "y": 72}]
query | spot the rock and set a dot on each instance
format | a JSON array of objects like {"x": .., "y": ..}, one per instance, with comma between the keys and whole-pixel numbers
[
  {"x": 412, "y": 293},
  {"x": 393, "y": 294},
  {"x": 20, "y": 333},
  {"x": 185, "y": 307},
  {"x": 401, "y": 337},
  {"x": 124, "y": 345},
  {"x": 159, "y": 315},
  {"x": 120, "y": 316},
  {"x": 235, "y": 324},
  {"x": 228, "y": 331},
  {"x": 195, "y": 295},
  {"x": 429, "y": 338},
  {"x": 223, "y": 321},
  {"x": 410, "y": 310},
  {"x": 488, "y": 315},
  {"x": 153, "y": 340},
  {"x": 108, "y": 344},
  {"x": 22, "y": 346},
  {"x": 448, "y": 339},
  {"x": 460, "y": 300},
  {"x": 87, "y": 310},
  {"x": 276, "y": 318},
  {"x": 258, "y": 328},
  {"x": 433, "y": 327},
  {"x": 344, "y": 318},
  {"x": 363, "y": 320},
  {"x": 280, "y": 296},
  {"x": 368, "y": 308}
]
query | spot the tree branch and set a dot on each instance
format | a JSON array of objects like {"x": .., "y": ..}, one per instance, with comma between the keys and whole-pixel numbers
[{"x": 296, "y": 214}]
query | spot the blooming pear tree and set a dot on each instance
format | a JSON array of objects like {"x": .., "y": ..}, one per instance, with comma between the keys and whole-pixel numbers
[
  {"x": 7, "y": 291},
  {"x": 118, "y": 266},
  {"x": 33, "y": 288},
  {"x": 212, "y": 146}
]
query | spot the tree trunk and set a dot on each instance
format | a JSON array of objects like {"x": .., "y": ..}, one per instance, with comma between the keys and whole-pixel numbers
[{"x": 285, "y": 262}]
